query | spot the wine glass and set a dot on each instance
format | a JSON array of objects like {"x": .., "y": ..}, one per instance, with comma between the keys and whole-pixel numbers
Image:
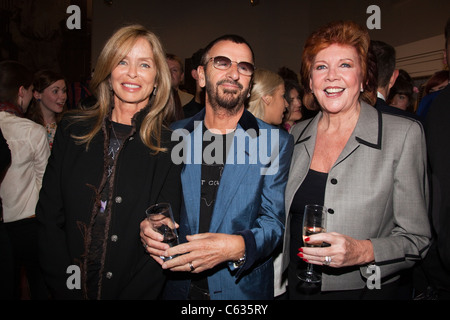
[
  {"x": 314, "y": 221},
  {"x": 161, "y": 218}
]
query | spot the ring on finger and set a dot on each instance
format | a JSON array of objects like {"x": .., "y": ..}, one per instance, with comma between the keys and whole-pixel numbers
[
  {"x": 191, "y": 266},
  {"x": 327, "y": 260}
]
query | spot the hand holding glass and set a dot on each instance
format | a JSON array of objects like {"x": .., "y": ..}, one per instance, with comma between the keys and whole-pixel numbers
[
  {"x": 314, "y": 221},
  {"x": 161, "y": 219}
]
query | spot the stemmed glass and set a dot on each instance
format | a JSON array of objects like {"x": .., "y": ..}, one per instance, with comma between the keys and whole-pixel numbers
[
  {"x": 314, "y": 221},
  {"x": 161, "y": 218}
]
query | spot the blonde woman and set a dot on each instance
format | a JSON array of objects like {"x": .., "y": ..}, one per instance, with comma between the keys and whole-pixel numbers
[
  {"x": 267, "y": 101},
  {"x": 109, "y": 163}
]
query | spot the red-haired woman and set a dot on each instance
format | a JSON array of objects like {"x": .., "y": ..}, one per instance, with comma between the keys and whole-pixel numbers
[{"x": 367, "y": 168}]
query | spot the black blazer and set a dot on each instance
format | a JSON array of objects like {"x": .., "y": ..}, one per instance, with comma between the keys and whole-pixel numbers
[
  {"x": 438, "y": 144},
  {"x": 384, "y": 107},
  {"x": 69, "y": 194}
]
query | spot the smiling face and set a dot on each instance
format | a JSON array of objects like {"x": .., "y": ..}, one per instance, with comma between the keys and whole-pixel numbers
[
  {"x": 228, "y": 88},
  {"x": 133, "y": 79},
  {"x": 336, "y": 78},
  {"x": 53, "y": 98}
]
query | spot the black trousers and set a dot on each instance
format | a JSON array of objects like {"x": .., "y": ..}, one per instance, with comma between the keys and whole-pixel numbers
[{"x": 19, "y": 239}]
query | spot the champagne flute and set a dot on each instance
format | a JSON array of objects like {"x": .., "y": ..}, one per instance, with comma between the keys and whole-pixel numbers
[{"x": 314, "y": 221}]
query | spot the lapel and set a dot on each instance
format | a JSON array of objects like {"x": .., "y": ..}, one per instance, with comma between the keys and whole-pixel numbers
[
  {"x": 233, "y": 173},
  {"x": 305, "y": 140},
  {"x": 367, "y": 132},
  {"x": 191, "y": 177}
]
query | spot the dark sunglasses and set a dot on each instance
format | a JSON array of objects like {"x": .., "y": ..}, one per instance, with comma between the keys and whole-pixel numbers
[{"x": 224, "y": 63}]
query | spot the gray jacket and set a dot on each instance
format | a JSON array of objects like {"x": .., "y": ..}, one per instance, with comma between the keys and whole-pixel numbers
[{"x": 376, "y": 190}]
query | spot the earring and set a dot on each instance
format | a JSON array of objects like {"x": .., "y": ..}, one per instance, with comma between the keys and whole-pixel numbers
[{"x": 155, "y": 90}]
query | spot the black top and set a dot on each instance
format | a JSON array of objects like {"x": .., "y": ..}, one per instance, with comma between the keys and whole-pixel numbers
[
  {"x": 213, "y": 161},
  {"x": 311, "y": 191}
]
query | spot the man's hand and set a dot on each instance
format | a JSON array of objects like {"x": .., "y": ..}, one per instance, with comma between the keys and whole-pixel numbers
[{"x": 204, "y": 251}]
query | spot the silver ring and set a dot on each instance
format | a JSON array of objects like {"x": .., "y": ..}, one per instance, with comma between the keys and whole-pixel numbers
[
  {"x": 327, "y": 261},
  {"x": 191, "y": 266},
  {"x": 145, "y": 245}
]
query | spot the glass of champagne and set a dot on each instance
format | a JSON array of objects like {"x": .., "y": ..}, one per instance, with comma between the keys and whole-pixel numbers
[
  {"x": 314, "y": 221},
  {"x": 161, "y": 218}
]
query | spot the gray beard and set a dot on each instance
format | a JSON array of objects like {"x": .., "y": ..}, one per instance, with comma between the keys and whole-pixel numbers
[{"x": 228, "y": 101}]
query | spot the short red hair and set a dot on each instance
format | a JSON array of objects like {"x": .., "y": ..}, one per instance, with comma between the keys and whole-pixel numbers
[{"x": 346, "y": 33}]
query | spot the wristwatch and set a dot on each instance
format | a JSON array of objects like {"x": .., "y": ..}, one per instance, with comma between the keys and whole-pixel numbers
[{"x": 239, "y": 263}]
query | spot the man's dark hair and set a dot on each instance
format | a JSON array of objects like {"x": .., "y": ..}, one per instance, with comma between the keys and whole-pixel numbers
[
  {"x": 228, "y": 37},
  {"x": 196, "y": 58},
  {"x": 385, "y": 60}
]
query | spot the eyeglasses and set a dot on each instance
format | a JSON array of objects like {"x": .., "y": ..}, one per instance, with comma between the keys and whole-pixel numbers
[{"x": 224, "y": 63}]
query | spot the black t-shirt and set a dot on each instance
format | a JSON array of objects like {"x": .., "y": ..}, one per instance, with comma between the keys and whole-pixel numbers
[{"x": 214, "y": 150}]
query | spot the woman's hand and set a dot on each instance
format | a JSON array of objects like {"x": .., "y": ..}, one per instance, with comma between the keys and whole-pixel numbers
[
  {"x": 152, "y": 241},
  {"x": 343, "y": 250}
]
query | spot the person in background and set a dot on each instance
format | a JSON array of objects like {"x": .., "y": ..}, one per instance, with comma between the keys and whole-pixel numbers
[
  {"x": 267, "y": 100},
  {"x": 366, "y": 167},
  {"x": 110, "y": 162},
  {"x": 198, "y": 101},
  {"x": 176, "y": 67},
  {"x": 49, "y": 103},
  {"x": 401, "y": 95},
  {"x": 438, "y": 81},
  {"x": 6, "y": 260},
  {"x": 383, "y": 55},
  {"x": 433, "y": 276},
  {"x": 20, "y": 187},
  {"x": 233, "y": 213},
  {"x": 294, "y": 96}
]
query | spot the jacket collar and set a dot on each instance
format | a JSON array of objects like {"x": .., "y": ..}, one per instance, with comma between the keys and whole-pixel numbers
[
  {"x": 247, "y": 121},
  {"x": 368, "y": 130}
]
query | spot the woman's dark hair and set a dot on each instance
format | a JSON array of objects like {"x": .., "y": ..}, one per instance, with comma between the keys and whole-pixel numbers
[
  {"x": 13, "y": 75},
  {"x": 228, "y": 37},
  {"x": 41, "y": 81}
]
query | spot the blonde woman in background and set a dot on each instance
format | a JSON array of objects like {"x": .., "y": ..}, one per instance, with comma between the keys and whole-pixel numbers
[{"x": 267, "y": 101}]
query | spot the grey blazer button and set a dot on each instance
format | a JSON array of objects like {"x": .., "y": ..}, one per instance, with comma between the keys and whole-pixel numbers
[
  {"x": 330, "y": 211},
  {"x": 333, "y": 181},
  {"x": 109, "y": 275},
  {"x": 118, "y": 199},
  {"x": 114, "y": 238}
]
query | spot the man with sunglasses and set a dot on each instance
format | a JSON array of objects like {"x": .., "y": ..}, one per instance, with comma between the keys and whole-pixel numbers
[{"x": 232, "y": 219}]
